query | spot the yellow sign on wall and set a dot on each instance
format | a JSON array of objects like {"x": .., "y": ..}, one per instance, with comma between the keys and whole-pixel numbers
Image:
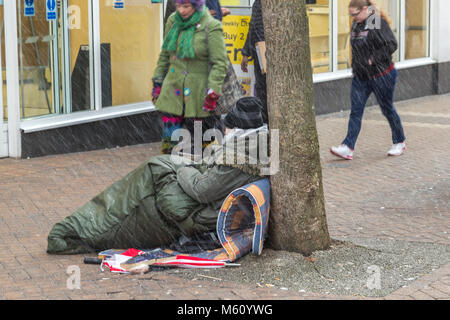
[{"x": 235, "y": 29}]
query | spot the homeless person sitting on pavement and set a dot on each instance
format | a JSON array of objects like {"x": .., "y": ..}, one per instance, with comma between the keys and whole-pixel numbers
[{"x": 167, "y": 196}]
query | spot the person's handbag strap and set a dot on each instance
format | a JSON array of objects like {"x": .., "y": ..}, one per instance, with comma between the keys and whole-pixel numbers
[{"x": 207, "y": 44}]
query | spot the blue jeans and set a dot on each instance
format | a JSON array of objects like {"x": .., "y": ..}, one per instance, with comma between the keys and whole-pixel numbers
[{"x": 383, "y": 88}]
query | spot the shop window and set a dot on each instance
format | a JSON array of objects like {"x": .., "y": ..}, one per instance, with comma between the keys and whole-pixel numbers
[
  {"x": 132, "y": 36},
  {"x": 319, "y": 32},
  {"x": 416, "y": 29},
  {"x": 54, "y": 59}
]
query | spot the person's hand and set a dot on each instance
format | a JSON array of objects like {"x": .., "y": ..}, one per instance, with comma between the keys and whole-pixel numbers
[
  {"x": 210, "y": 102},
  {"x": 244, "y": 64},
  {"x": 225, "y": 12},
  {"x": 370, "y": 62},
  {"x": 155, "y": 93}
]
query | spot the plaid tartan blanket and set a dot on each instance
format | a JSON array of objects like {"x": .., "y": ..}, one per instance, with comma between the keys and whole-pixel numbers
[{"x": 241, "y": 228}]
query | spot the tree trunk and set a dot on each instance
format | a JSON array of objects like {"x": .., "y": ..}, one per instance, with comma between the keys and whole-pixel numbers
[{"x": 298, "y": 221}]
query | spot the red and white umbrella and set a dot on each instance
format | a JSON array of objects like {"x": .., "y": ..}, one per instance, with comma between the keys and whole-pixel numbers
[{"x": 118, "y": 262}]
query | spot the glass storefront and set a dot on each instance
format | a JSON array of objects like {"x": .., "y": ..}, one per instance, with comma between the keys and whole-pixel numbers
[
  {"x": 58, "y": 61},
  {"x": 391, "y": 9},
  {"x": 321, "y": 17},
  {"x": 236, "y": 2},
  {"x": 2, "y": 48},
  {"x": 55, "y": 64}
]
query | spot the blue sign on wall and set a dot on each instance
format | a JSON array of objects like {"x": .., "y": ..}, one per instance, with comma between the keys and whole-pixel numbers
[
  {"x": 119, "y": 4},
  {"x": 51, "y": 10},
  {"x": 29, "y": 8}
]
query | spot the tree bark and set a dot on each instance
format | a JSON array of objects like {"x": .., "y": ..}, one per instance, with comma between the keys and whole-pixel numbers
[{"x": 298, "y": 220}]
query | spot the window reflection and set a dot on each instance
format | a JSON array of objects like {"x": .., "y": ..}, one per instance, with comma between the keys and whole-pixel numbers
[
  {"x": 54, "y": 61},
  {"x": 55, "y": 72},
  {"x": 390, "y": 8},
  {"x": 319, "y": 32},
  {"x": 344, "y": 28},
  {"x": 35, "y": 41},
  {"x": 235, "y": 2}
]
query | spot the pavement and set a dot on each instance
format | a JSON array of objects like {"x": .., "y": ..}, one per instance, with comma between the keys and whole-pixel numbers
[{"x": 389, "y": 218}]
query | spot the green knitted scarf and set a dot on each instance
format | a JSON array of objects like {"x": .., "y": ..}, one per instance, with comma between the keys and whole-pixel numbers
[{"x": 187, "y": 28}]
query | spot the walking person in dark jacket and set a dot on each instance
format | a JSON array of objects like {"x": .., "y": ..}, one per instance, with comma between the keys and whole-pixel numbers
[
  {"x": 256, "y": 34},
  {"x": 373, "y": 44}
]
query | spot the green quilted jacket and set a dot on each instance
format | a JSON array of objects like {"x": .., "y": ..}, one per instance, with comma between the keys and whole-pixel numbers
[{"x": 187, "y": 80}]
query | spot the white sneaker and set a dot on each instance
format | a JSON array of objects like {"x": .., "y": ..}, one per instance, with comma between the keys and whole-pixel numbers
[
  {"x": 397, "y": 149},
  {"x": 342, "y": 151}
]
